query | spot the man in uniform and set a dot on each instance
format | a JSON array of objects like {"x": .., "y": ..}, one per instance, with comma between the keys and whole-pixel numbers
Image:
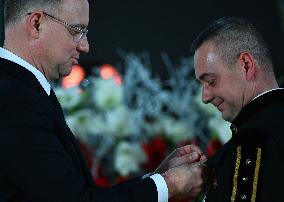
[{"x": 233, "y": 64}]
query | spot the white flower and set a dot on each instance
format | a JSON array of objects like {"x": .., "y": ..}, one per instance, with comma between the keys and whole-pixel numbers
[
  {"x": 128, "y": 158},
  {"x": 99, "y": 126},
  {"x": 154, "y": 128},
  {"x": 82, "y": 123},
  {"x": 68, "y": 97},
  {"x": 106, "y": 93},
  {"x": 120, "y": 122},
  {"x": 175, "y": 130}
]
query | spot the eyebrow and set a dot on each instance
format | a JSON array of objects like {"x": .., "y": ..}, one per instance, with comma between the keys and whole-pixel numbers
[
  {"x": 79, "y": 25},
  {"x": 205, "y": 75}
]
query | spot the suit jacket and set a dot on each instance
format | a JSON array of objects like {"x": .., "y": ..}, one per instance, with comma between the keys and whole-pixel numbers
[
  {"x": 40, "y": 160},
  {"x": 250, "y": 167}
]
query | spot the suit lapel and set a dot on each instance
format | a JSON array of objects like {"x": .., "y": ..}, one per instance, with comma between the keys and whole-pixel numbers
[
  {"x": 73, "y": 142},
  {"x": 18, "y": 74}
]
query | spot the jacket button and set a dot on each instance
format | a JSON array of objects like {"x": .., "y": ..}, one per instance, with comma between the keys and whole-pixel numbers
[
  {"x": 248, "y": 161},
  {"x": 233, "y": 129},
  {"x": 243, "y": 197},
  {"x": 245, "y": 179}
]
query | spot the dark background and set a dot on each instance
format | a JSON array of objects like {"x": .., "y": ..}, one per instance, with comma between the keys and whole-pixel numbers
[{"x": 170, "y": 26}]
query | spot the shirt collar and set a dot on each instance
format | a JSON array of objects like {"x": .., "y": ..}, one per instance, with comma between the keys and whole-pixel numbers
[
  {"x": 265, "y": 93},
  {"x": 6, "y": 54}
]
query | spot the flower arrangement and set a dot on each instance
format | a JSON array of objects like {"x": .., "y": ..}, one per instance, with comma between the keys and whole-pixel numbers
[{"x": 128, "y": 128}]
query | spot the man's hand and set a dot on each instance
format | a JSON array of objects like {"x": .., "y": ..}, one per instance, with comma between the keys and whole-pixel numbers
[
  {"x": 186, "y": 180},
  {"x": 183, "y": 155}
]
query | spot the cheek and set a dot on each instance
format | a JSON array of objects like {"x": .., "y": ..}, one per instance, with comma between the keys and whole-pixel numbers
[
  {"x": 232, "y": 98},
  {"x": 64, "y": 53},
  {"x": 224, "y": 92},
  {"x": 64, "y": 45},
  {"x": 68, "y": 47}
]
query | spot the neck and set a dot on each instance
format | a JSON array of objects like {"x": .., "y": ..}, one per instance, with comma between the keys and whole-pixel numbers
[
  {"x": 15, "y": 43},
  {"x": 21, "y": 46},
  {"x": 266, "y": 85}
]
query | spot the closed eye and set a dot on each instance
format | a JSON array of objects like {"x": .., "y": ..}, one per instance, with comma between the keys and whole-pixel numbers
[
  {"x": 211, "y": 82},
  {"x": 75, "y": 30}
]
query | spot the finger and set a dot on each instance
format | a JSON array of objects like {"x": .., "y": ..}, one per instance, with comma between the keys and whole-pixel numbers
[
  {"x": 203, "y": 158},
  {"x": 203, "y": 171},
  {"x": 200, "y": 163},
  {"x": 186, "y": 159},
  {"x": 189, "y": 149},
  {"x": 192, "y": 194},
  {"x": 195, "y": 191}
]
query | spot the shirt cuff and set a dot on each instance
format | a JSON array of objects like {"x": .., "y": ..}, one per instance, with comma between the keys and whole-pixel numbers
[{"x": 162, "y": 187}]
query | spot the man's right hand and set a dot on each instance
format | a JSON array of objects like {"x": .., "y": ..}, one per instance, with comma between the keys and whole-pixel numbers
[
  {"x": 187, "y": 180},
  {"x": 183, "y": 155}
]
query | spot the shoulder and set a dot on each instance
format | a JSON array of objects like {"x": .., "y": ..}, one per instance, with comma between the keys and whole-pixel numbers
[
  {"x": 15, "y": 93},
  {"x": 252, "y": 137},
  {"x": 21, "y": 105}
]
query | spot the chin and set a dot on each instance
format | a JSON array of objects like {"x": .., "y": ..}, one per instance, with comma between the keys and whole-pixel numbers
[
  {"x": 227, "y": 117},
  {"x": 66, "y": 72}
]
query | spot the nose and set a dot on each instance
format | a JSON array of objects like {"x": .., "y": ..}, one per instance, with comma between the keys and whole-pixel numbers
[
  {"x": 206, "y": 94},
  {"x": 83, "y": 46}
]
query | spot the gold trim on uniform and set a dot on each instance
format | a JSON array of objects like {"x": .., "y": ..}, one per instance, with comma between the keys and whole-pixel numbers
[
  {"x": 235, "y": 180},
  {"x": 256, "y": 171}
]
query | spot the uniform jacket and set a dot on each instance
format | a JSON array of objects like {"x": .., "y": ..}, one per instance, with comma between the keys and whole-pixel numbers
[
  {"x": 250, "y": 167},
  {"x": 40, "y": 160}
]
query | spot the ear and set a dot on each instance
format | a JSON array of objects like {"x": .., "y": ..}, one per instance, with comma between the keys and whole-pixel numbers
[
  {"x": 247, "y": 65},
  {"x": 34, "y": 23}
]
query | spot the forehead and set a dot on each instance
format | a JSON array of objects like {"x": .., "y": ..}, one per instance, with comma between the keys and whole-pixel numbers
[
  {"x": 75, "y": 11},
  {"x": 206, "y": 59}
]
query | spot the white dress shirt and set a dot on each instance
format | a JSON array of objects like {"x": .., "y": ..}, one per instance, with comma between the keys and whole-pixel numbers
[{"x": 161, "y": 185}]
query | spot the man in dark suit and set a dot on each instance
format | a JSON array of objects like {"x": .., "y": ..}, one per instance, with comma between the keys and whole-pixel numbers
[
  {"x": 40, "y": 160},
  {"x": 234, "y": 66}
]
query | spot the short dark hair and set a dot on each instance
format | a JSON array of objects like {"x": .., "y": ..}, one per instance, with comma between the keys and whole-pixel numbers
[
  {"x": 14, "y": 10},
  {"x": 232, "y": 36}
]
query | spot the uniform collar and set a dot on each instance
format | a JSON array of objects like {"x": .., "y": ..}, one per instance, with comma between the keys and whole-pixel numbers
[
  {"x": 258, "y": 103},
  {"x": 8, "y": 55}
]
